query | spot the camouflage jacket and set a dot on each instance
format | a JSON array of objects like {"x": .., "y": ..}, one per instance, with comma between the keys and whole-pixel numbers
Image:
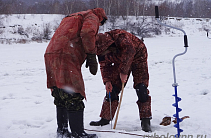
[
  {"x": 66, "y": 52},
  {"x": 122, "y": 52}
]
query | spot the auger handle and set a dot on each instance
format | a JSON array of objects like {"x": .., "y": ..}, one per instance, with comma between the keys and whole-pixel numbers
[
  {"x": 186, "y": 40},
  {"x": 157, "y": 18},
  {"x": 156, "y": 12},
  {"x": 208, "y": 35}
]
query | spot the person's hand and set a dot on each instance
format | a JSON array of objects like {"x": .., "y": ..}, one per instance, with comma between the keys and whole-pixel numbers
[
  {"x": 123, "y": 77},
  {"x": 108, "y": 87},
  {"x": 91, "y": 62}
]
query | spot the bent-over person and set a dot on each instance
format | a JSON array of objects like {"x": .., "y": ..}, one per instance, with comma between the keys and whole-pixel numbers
[{"x": 119, "y": 54}]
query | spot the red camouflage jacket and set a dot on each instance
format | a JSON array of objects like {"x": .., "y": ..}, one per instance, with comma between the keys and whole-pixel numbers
[
  {"x": 66, "y": 52},
  {"x": 130, "y": 55}
]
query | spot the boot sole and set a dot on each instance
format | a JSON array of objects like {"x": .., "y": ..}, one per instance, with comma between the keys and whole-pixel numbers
[{"x": 98, "y": 124}]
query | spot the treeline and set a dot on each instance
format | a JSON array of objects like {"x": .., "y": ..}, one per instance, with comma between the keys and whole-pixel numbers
[{"x": 187, "y": 8}]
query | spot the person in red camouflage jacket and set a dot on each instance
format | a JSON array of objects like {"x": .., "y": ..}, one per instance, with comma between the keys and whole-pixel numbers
[
  {"x": 72, "y": 44},
  {"x": 119, "y": 54}
]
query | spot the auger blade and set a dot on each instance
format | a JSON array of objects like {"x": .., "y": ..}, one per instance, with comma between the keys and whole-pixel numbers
[
  {"x": 178, "y": 98},
  {"x": 177, "y": 127},
  {"x": 179, "y": 110}
]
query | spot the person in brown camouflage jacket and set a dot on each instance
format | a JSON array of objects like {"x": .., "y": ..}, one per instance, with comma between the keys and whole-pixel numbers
[
  {"x": 72, "y": 44},
  {"x": 119, "y": 54}
]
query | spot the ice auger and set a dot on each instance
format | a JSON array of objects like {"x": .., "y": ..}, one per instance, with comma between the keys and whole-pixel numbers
[
  {"x": 175, "y": 84},
  {"x": 208, "y": 35}
]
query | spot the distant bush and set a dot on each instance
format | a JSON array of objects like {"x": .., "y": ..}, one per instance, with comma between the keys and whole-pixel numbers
[
  {"x": 47, "y": 31},
  {"x": 5, "y": 41},
  {"x": 141, "y": 26},
  {"x": 1, "y": 30},
  {"x": 22, "y": 41},
  {"x": 22, "y": 32},
  {"x": 37, "y": 39}
]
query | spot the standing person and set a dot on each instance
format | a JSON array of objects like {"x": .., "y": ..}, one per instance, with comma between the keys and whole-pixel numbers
[
  {"x": 119, "y": 54},
  {"x": 72, "y": 44}
]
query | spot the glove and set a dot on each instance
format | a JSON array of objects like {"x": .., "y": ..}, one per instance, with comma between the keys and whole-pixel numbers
[{"x": 91, "y": 62}]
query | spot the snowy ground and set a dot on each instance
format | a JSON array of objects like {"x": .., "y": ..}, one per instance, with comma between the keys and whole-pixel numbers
[{"x": 27, "y": 110}]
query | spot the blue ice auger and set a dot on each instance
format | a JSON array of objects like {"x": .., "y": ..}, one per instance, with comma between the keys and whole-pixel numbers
[{"x": 175, "y": 84}]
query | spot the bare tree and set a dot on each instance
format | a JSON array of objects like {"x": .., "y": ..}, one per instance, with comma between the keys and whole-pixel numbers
[
  {"x": 97, "y": 3},
  {"x": 2, "y": 7},
  {"x": 104, "y": 5},
  {"x": 69, "y": 5},
  {"x": 128, "y": 3},
  {"x": 124, "y": 8},
  {"x": 109, "y": 6},
  {"x": 56, "y": 7},
  {"x": 136, "y": 7},
  {"x": 47, "y": 31},
  {"x": 118, "y": 6}
]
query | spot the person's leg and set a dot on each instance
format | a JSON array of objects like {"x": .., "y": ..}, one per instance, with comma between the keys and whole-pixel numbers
[
  {"x": 61, "y": 114},
  {"x": 62, "y": 121},
  {"x": 141, "y": 81},
  {"x": 75, "y": 109},
  {"x": 144, "y": 105},
  {"x": 105, "y": 111}
]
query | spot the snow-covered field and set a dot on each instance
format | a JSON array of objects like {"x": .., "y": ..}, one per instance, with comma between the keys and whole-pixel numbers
[{"x": 27, "y": 109}]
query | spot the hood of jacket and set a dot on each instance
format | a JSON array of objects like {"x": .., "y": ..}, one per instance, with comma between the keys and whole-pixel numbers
[
  {"x": 103, "y": 41},
  {"x": 100, "y": 13}
]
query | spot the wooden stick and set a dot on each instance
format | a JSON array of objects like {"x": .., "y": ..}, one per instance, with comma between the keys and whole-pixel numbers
[
  {"x": 110, "y": 108},
  {"x": 117, "y": 114}
]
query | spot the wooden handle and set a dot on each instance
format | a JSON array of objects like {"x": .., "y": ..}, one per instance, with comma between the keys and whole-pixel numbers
[{"x": 117, "y": 114}]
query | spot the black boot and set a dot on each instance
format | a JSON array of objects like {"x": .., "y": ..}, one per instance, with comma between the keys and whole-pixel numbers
[
  {"x": 145, "y": 124},
  {"x": 62, "y": 122},
  {"x": 102, "y": 122},
  {"x": 77, "y": 125}
]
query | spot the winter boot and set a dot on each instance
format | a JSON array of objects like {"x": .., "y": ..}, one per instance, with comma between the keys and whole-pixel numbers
[
  {"x": 102, "y": 122},
  {"x": 77, "y": 125},
  {"x": 145, "y": 124},
  {"x": 62, "y": 122}
]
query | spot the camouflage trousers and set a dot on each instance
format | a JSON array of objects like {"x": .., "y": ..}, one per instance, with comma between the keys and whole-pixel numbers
[
  {"x": 72, "y": 102},
  {"x": 144, "y": 109}
]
